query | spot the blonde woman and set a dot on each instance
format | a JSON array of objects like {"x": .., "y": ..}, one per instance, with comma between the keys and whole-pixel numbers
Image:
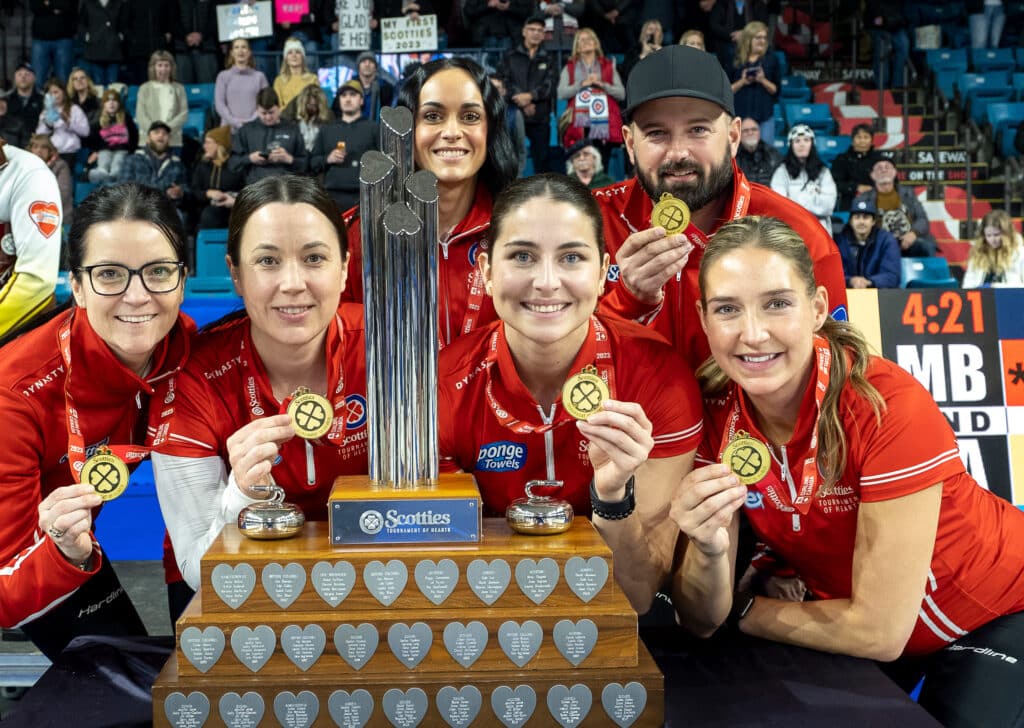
[
  {"x": 162, "y": 98},
  {"x": 997, "y": 256},
  {"x": 588, "y": 78},
  {"x": 83, "y": 93},
  {"x": 755, "y": 77},
  {"x": 294, "y": 75},
  {"x": 311, "y": 113}
]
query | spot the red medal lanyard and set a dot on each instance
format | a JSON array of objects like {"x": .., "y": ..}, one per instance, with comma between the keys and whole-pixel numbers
[
  {"x": 76, "y": 441},
  {"x": 251, "y": 391},
  {"x": 602, "y": 359},
  {"x": 809, "y": 476},
  {"x": 740, "y": 204}
]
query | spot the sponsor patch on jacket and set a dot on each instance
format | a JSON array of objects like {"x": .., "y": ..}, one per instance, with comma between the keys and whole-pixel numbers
[{"x": 501, "y": 457}]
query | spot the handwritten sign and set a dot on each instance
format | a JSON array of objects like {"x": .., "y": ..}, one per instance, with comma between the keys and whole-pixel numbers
[
  {"x": 353, "y": 25},
  {"x": 242, "y": 20},
  {"x": 403, "y": 34}
]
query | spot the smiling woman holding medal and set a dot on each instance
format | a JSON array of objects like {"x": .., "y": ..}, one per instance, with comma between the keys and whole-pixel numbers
[
  {"x": 274, "y": 394},
  {"x": 552, "y": 391},
  {"x": 850, "y": 474},
  {"x": 75, "y": 394}
]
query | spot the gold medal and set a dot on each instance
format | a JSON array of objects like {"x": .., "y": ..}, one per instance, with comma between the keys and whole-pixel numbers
[
  {"x": 106, "y": 473},
  {"x": 583, "y": 393},
  {"x": 310, "y": 413},
  {"x": 747, "y": 457},
  {"x": 670, "y": 213}
]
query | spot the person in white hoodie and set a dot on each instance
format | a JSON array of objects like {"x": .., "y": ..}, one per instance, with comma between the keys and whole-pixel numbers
[{"x": 804, "y": 178}]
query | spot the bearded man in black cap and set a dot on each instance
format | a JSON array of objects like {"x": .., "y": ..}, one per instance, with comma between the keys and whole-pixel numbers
[{"x": 682, "y": 136}]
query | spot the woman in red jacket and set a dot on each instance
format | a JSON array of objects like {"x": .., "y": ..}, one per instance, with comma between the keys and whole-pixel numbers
[{"x": 79, "y": 387}]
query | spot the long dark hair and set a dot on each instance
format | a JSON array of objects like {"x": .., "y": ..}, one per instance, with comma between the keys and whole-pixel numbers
[
  {"x": 500, "y": 167},
  {"x": 812, "y": 164},
  {"x": 550, "y": 186}
]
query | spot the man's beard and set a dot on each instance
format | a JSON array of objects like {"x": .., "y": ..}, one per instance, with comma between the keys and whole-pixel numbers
[
  {"x": 707, "y": 189},
  {"x": 159, "y": 147}
]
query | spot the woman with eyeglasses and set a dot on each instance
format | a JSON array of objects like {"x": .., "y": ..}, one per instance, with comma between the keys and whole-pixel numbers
[{"x": 75, "y": 396}]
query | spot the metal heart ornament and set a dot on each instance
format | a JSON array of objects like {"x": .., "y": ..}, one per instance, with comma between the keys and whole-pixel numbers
[
  {"x": 233, "y": 585},
  {"x": 575, "y": 640},
  {"x": 253, "y": 647},
  {"x": 404, "y": 709},
  {"x": 356, "y": 645},
  {"x": 410, "y": 644},
  {"x": 513, "y": 707},
  {"x": 385, "y": 582},
  {"x": 333, "y": 583},
  {"x": 459, "y": 708},
  {"x": 586, "y": 577},
  {"x": 187, "y": 712},
  {"x": 296, "y": 711},
  {"x": 283, "y": 584},
  {"x": 350, "y": 710},
  {"x": 488, "y": 580},
  {"x": 303, "y": 645},
  {"x": 241, "y": 711},
  {"x": 465, "y": 643},
  {"x": 537, "y": 579},
  {"x": 624, "y": 703},
  {"x": 436, "y": 581},
  {"x": 520, "y": 642},
  {"x": 569, "y": 706},
  {"x": 202, "y": 648}
]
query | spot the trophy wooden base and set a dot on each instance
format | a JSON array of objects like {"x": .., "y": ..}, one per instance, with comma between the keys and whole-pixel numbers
[{"x": 364, "y": 512}]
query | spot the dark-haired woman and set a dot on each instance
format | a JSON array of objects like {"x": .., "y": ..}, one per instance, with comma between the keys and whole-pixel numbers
[
  {"x": 78, "y": 385},
  {"x": 804, "y": 178},
  {"x": 502, "y": 417},
  {"x": 848, "y": 471},
  {"x": 461, "y": 136},
  {"x": 229, "y": 436},
  {"x": 851, "y": 170}
]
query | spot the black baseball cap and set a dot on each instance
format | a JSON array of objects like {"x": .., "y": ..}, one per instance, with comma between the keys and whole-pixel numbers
[
  {"x": 678, "y": 71},
  {"x": 160, "y": 125},
  {"x": 536, "y": 19}
]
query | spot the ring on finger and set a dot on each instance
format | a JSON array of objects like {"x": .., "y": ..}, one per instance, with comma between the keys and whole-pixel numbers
[{"x": 56, "y": 533}]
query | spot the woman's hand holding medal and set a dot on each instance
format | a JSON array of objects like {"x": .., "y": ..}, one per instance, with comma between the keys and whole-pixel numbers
[
  {"x": 253, "y": 449},
  {"x": 66, "y": 516},
  {"x": 704, "y": 505},
  {"x": 620, "y": 441}
]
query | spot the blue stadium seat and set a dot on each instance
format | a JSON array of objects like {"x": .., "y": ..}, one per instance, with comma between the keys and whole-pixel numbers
[
  {"x": 131, "y": 99},
  {"x": 200, "y": 95},
  {"x": 794, "y": 90},
  {"x": 63, "y": 290},
  {"x": 947, "y": 59},
  {"x": 195, "y": 124},
  {"x": 984, "y": 60},
  {"x": 816, "y": 116},
  {"x": 211, "y": 246},
  {"x": 205, "y": 301},
  {"x": 783, "y": 62},
  {"x": 1007, "y": 148},
  {"x": 830, "y": 147},
  {"x": 930, "y": 272},
  {"x": 209, "y": 286},
  {"x": 617, "y": 163},
  {"x": 780, "y": 145},
  {"x": 82, "y": 190},
  {"x": 946, "y": 81},
  {"x": 1003, "y": 115},
  {"x": 1018, "y": 85},
  {"x": 1019, "y": 56},
  {"x": 978, "y": 90}
]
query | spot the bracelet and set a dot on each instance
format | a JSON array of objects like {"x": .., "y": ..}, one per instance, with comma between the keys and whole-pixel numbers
[
  {"x": 613, "y": 511},
  {"x": 742, "y": 601}
]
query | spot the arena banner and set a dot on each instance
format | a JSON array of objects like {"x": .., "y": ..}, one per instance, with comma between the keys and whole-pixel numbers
[
  {"x": 353, "y": 25},
  {"x": 966, "y": 347}
]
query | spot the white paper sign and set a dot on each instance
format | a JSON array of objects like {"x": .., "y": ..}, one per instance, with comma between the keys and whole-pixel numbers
[
  {"x": 353, "y": 25},
  {"x": 405, "y": 35},
  {"x": 242, "y": 20}
]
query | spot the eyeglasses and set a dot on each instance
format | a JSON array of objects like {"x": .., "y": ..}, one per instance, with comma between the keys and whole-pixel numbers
[{"x": 111, "y": 279}]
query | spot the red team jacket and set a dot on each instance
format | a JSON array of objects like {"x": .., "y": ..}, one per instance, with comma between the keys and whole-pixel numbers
[
  {"x": 456, "y": 269},
  {"x": 113, "y": 407},
  {"x": 472, "y": 439},
  {"x": 626, "y": 209},
  {"x": 977, "y": 568},
  {"x": 225, "y": 386}
]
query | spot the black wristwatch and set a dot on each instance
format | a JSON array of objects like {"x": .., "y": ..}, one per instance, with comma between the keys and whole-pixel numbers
[
  {"x": 613, "y": 511},
  {"x": 742, "y": 601}
]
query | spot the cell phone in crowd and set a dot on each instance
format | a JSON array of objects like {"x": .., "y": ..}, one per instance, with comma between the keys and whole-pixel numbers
[
  {"x": 650, "y": 39},
  {"x": 752, "y": 72}
]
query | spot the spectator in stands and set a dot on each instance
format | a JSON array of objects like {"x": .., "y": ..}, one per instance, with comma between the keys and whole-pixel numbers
[
  {"x": 41, "y": 146},
  {"x": 515, "y": 121},
  {"x": 496, "y": 23},
  {"x": 755, "y": 75},
  {"x": 306, "y": 30},
  {"x": 728, "y": 19},
  {"x": 148, "y": 26},
  {"x": 615, "y": 22},
  {"x": 997, "y": 253},
  {"x": 889, "y": 39},
  {"x": 26, "y": 103},
  {"x": 902, "y": 213},
  {"x": 666, "y": 14},
  {"x": 195, "y": 41},
  {"x": 529, "y": 72},
  {"x": 377, "y": 92},
  {"x": 594, "y": 89},
  {"x": 561, "y": 21},
  {"x": 871, "y": 256},
  {"x": 341, "y": 144},
  {"x": 986, "y": 19},
  {"x": 66, "y": 124},
  {"x": 697, "y": 16},
  {"x": 83, "y": 93},
  {"x": 162, "y": 98},
  {"x": 851, "y": 170},
  {"x": 101, "y": 26},
  {"x": 757, "y": 159},
  {"x": 155, "y": 166},
  {"x": 54, "y": 23},
  {"x": 11, "y": 128},
  {"x": 294, "y": 75},
  {"x": 584, "y": 164},
  {"x": 268, "y": 146},
  {"x": 804, "y": 178},
  {"x": 237, "y": 86},
  {"x": 113, "y": 136},
  {"x": 310, "y": 111},
  {"x": 694, "y": 39},
  {"x": 652, "y": 37},
  {"x": 214, "y": 183}
]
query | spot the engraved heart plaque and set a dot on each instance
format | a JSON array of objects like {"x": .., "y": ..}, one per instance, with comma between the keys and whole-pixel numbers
[
  {"x": 410, "y": 644},
  {"x": 283, "y": 584},
  {"x": 405, "y": 709},
  {"x": 575, "y": 640},
  {"x": 333, "y": 583},
  {"x": 385, "y": 581},
  {"x": 465, "y": 643},
  {"x": 488, "y": 580},
  {"x": 241, "y": 711},
  {"x": 513, "y": 707},
  {"x": 233, "y": 585},
  {"x": 459, "y": 707},
  {"x": 624, "y": 703},
  {"x": 350, "y": 710},
  {"x": 303, "y": 645},
  {"x": 520, "y": 642},
  {"x": 569, "y": 706},
  {"x": 436, "y": 581},
  {"x": 187, "y": 712},
  {"x": 586, "y": 577},
  {"x": 356, "y": 645},
  {"x": 296, "y": 711},
  {"x": 537, "y": 579},
  {"x": 202, "y": 648},
  {"x": 253, "y": 647}
]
